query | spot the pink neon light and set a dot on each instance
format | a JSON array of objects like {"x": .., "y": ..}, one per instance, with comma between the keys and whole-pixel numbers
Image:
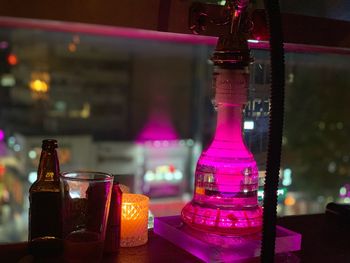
[
  {"x": 110, "y": 31},
  {"x": 2, "y": 135}
]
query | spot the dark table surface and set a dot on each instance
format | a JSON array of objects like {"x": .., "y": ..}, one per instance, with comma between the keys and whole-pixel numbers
[{"x": 325, "y": 238}]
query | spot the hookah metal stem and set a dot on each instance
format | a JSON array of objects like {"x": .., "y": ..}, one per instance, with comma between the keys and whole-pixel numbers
[{"x": 275, "y": 132}]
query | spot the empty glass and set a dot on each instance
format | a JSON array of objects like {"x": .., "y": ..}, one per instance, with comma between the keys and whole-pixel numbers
[{"x": 85, "y": 199}]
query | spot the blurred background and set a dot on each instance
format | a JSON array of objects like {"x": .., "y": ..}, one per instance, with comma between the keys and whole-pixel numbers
[{"x": 141, "y": 108}]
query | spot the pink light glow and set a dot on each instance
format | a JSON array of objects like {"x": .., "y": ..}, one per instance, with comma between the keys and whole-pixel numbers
[
  {"x": 110, "y": 31},
  {"x": 158, "y": 127},
  {"x": 2, "y": 135},
  {"x": 4, "y": 45},
  {"x": 226, "y": 182}
]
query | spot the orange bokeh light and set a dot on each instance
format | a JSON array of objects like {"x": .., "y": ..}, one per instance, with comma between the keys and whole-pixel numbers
[
  {"x": 289, "y": 201},
  {"x": 2, "y": 170},
  {"x": 12, "y": 59},
  {"x": 72, "y": 47}
]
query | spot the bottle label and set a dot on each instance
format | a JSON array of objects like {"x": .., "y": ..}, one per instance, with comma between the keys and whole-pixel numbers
[
  {"x": 45, "y": 215},
  {"x": 49, "y": 176},
  {"x": 231, "y": 86}
]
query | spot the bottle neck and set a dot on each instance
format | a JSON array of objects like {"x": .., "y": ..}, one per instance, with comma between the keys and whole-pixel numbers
[
  {"x": 229, "y": 122},
  {"x": 231, "y": 86},
  {"x": 48, "y": 169}
]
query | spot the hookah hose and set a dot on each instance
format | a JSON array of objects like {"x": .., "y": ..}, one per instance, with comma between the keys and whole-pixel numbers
[{"x": 275, "y": 132}]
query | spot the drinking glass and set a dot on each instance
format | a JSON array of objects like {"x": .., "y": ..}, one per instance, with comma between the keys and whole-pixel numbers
[{"x": 85, "y": 202}]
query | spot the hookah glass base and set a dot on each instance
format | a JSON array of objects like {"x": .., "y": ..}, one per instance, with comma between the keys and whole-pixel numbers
[
  {"x": 223, "y": 222},
  {"x": 225, "y": 197}
]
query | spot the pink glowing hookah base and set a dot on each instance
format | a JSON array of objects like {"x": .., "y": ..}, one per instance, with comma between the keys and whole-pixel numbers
[
  {"x": 223, "y": 221},
  {"x": 226, "y": 179}
]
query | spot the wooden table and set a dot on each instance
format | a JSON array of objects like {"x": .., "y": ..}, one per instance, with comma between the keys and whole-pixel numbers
[{"x": 324, "y": 239}]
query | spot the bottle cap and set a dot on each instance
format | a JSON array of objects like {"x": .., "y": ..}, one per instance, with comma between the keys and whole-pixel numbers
[{"x": 49, "y": 144}]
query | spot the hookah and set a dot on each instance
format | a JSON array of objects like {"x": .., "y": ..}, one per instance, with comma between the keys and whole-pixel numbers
[
  {"x": 224, "y": 222},
  {"x": 226, "y": 178}
]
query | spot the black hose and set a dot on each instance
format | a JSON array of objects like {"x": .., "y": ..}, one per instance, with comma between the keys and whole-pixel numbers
[{"x": 275, "y": 133}]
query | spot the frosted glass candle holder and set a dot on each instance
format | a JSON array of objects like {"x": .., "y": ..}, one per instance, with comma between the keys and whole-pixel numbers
[{"x": 134, "y": 221}]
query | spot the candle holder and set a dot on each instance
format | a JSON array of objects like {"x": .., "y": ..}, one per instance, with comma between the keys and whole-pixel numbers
[{"x": 134, "y": 220}]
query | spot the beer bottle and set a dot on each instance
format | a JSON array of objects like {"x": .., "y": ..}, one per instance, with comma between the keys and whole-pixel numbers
[{"x": 45, "y": 227}]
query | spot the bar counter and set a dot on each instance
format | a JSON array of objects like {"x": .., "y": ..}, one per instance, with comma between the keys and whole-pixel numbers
[{"x": 325, "y": 238}]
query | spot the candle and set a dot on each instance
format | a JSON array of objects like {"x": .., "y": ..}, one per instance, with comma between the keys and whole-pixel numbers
[{"x": 134, "y": 221}]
